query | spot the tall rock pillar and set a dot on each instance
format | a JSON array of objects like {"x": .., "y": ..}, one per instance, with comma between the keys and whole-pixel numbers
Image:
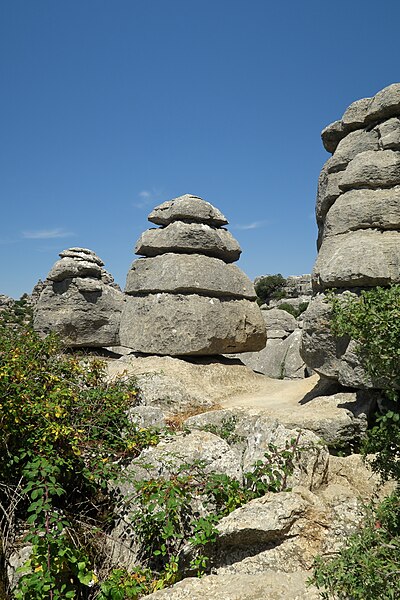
[{"x": 358, "y": 216}]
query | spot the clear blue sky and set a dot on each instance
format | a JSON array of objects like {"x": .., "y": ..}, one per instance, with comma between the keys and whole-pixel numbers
[{"x": 109, "y": 107}]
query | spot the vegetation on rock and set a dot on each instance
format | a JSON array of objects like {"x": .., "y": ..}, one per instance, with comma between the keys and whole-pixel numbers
[
  {"x": 270, "y": 287},
  {"x": 368, "y": 567},
  {"x": 66, "y": 438}
]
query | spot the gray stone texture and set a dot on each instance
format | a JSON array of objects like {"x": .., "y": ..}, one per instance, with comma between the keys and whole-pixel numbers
[
  {"x": 187, "y": 208},
  {"x": 181, "y": 237},
  {"x": 79, "y": 302},
  {"x": 372, "y": 170},
  {"x": 188, "y": 274},
  {"x": 179, "y": 324},
  {"x": 185, "y": 298},
  {"x": 358, "y": 216},
  {"x": 362, "y": 258}
]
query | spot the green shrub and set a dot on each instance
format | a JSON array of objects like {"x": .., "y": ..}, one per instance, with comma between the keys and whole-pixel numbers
[
  {"x": 270, "y": 287},
  {"x": 369, "y": 565},
  {"x": 292, "y": 310},
  {"x": 65, "y": 434}
]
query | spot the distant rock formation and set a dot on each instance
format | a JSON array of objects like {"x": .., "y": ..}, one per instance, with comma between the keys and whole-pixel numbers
[
  {"x": 185, "y": 297},
  {"x": 80, "y": 301},
  {"x": 358, "y": 216}
]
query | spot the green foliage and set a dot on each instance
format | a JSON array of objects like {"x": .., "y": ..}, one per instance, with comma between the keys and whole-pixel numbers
[
  {"x": 65, "y": 437},
  {"x": 368, "y": 567},
  {"x": 65, "y": 434},
  {"x": 270, "y": 287},
  {"x": 296, "y": 312},
  {"x": 121, "y": 585},
  {"x": 226, "y": 430},
  {"x": 19, "y": 313},
  {"x": 373, "y": 321},
  {"x": 168, "y": 513}
]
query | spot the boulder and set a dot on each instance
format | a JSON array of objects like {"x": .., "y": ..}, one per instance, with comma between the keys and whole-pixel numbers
[
  {"x": 181, "y": 237},
  {"x": 354, "y": 143},
  {"x": 384, "y": 104},
  {"x": 372, "y": 170},
  {"x": 359, "y": 258},
  {"x": 186, "y": 324},
  {"x": 188, "y": 274},
  {"x": 355, "y": 115},
  {"x": 331, "y": 135},
  {"x": 188, "y": 208},
  {"x": 389, "y": 133},
  {"x": 364, "y": 209},
  {"x": 79, "y": 301}
]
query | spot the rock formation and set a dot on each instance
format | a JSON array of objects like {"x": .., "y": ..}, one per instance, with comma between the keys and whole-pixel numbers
[
  {"x": 358, "y": 216},
  {"x": 185, "y": 297},
  {"x": 80, "y": 301}
]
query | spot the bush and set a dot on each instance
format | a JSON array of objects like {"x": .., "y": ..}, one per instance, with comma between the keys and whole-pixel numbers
[
  {"x": 270, "y": 287},
  {"x": 368, "y": 567},
  {"x": 292, "y": 310}
]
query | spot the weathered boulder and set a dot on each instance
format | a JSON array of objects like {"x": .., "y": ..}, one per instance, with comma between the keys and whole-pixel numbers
[
  {"x": 188, "y": 274},
  {"x": 364, "y": 209},
  {"x": 366, "y": 257},
  {"x": 358, "y": 216},
  {"x": 186, "y": 324},
  {"x": 372, "y": 170},
  {"x": 79, "y": 301},
  {"x": 182, "y": 237},
  {"x": 184, "y": 209},
  {"x": 183, "y": 299}
]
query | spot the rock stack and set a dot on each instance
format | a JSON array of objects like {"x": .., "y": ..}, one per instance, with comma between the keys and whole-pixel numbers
[
  {"x": 358, "y": 216},
  {"x": 80, "y": 301},
  {"x": 185, "y": 297}
]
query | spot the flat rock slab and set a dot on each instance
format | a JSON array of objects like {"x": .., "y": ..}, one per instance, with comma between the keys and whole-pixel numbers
[
  {"x": 269, "y": 585},
  {"x": 178, "y": 325},
  {"x": 185, "y": 386},
  {"x": 188, "y": 274},
  {"x": 187, "y": 208},
  {"x": 186, "y": 238},
  {"x": 360, "y": 258}
]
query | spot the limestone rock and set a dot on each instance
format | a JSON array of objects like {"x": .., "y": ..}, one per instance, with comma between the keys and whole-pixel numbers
[
  {"x": 389, "y": 132},
  {"x": 280, "y": 359},
  {"x": 328, "y": 191},
  {"x": 187, "y": 208},
  {"x": 241, "y": 587},
  {"x": 69, "y": 268},
  {"x": 364, "y": 209},
  {"x": 82, "y": 253},
  {"x": 198, "y": 238},
  {"x": 359, "y": 258},
  {"x": 183, "y": 299},
  {"x": 177, "y": 324},
  {"x": 331, "y": 135},
  {"x": 279, "y": 323},
  {"x": 188, "y": 274},
  {"x": 81, "y": 314},
  {"x": 372, "y": 170},
  {"x": 354, "y": 143},
  {"x": 385, "y": 103},
  {"x": 79, "y": 301},
  {"x": 355, "y": 115}
]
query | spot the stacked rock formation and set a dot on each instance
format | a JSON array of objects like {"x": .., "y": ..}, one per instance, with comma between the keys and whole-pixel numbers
[
  {"x": 358, "y": 215},
  {"x": 185, "y": 297},
  {"x": 80, "y": 301}
]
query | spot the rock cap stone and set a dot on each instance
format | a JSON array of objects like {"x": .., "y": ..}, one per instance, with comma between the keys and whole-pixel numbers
[{"x": 187, "y": 208}]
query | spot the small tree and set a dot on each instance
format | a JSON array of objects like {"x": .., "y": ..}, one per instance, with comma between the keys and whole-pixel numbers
[{"x": 269, "y": 287}]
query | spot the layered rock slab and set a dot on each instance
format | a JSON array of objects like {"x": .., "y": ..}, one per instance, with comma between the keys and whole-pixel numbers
[
  {"x": 80, "y": 301},
  {"x": 358, "y": 216},
  {"x": 184, "y": 297},
  {"x": 178, "y": 324}
]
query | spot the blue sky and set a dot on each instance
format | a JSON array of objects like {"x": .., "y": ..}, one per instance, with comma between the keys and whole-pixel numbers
[{"x": 109, "y": 107}]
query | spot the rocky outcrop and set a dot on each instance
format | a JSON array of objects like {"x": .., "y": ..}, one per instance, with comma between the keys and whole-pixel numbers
[
  {"x": 358, "y": 216},
  {"x": 184, "y": 298},
  {"x": 280, "y": 359},
  {"x": 80, "y": 301}
]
